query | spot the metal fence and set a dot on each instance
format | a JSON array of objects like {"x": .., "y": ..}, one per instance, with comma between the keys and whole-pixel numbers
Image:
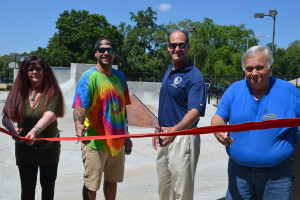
[
  {"x": 216, "y": 85},
  {"x": 144, "y": 76}
]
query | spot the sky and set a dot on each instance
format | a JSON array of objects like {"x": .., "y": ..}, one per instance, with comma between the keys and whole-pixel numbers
[{"x": 28, "y": 24}]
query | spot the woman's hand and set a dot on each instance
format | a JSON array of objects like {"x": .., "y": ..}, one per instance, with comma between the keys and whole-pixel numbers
[
  {"x": 32, "y": 135},
  {"x": 17, "y": 132},
  {"x": 9, "y": 125},
  {"x": 45, "y": 121}
]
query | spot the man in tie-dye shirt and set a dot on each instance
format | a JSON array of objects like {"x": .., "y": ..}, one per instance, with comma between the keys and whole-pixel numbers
[{"x": 99, "y": 109}]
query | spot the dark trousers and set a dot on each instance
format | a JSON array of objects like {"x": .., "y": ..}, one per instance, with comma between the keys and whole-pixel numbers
[{"x": 28, "y": 176}]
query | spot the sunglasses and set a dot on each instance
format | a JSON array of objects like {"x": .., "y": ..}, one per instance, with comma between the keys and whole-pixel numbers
[
  {"x": 109, "y": 50},
  {"x": 37, "y": 69},
  {"x": 174, "y": 45}
]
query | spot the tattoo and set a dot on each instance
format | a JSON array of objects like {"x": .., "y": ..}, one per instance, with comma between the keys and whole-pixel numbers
[
  {"x": 79, "y": 116},
  {"x": 38, "y": 130}
]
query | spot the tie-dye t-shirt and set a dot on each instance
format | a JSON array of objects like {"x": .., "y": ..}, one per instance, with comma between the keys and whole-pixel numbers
[{"x": 104, "y": 99}]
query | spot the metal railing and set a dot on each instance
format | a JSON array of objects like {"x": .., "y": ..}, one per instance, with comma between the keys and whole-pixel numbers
[{"x": 216, "y": 85}]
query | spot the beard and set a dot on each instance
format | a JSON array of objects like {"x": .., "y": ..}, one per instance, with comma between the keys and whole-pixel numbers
[{"x": 105, "y": 63}]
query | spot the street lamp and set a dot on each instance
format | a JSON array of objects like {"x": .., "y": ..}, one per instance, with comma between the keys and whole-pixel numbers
[
  {"x": 267, "y": 36},
  {"x": 272, "y": 13},
  {"x": 193, "y": 30}
]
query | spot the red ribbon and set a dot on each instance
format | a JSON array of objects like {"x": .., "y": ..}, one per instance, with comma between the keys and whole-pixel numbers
[{"x": 248, "y": 126}]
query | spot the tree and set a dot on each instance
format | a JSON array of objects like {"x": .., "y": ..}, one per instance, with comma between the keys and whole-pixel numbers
[
  {"x": 293, "y": 55},
  {"x": 270, "y": 46},
  {"x": 280, "y": 62},
  {"x": 287, "y": 61},
  {"x": 219, "y": 47},
  {"x": 6, "y": 73},
  {"x": 141, "y": 51},
  {"x": 77, "y": 33}
]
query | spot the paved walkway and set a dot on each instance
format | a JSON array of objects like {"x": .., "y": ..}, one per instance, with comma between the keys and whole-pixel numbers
[{"x": 140, "y": 182}]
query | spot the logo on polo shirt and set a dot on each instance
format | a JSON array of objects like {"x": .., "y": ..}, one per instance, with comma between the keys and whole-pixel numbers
[{"x": 176, "y": 81}]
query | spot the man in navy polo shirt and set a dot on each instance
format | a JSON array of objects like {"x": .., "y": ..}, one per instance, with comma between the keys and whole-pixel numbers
[
  {"x": 182, "y": 101},
  {"x": 260, "y": 164}
]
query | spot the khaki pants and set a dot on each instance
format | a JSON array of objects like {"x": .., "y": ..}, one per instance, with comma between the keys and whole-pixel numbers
[{"x": 176, "y": 166}]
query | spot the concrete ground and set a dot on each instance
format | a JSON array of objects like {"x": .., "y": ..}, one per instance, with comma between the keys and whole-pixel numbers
[{"x": 140, "y": 181}]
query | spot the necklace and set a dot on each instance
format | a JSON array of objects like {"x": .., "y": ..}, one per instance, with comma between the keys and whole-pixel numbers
[{"x": 33, "y": 95}]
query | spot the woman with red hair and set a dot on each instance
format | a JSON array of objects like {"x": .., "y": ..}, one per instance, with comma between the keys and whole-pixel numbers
[{"x": 33, "y": 104}]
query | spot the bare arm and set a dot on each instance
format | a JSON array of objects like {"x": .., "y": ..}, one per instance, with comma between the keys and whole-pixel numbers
[
  {"x": 47, "y": 119},
  {"x": 155, "y": 139},
  {"x": 9, "y": 124},
  {"x": 188, "y": 120},
  {"x": 221, "y": 136},
  {"x": 128, "y": 143},
  {"x": 79, "y": 115}
]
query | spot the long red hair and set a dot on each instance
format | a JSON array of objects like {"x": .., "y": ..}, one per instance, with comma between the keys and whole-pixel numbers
[{"x": 18, "y": 94}]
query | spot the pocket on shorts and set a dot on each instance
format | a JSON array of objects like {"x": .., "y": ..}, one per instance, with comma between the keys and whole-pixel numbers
[{"x": 84, "y": 152}]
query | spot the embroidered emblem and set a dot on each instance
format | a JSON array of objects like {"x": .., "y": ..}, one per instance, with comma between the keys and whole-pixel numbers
[{"x": 176, "y": 81}]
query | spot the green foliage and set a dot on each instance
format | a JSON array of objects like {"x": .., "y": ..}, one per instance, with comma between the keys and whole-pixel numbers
[
  {"x": 219, "y": 47},
  {"x": 280, "y": 62},
  {"x": 144, "y": 44},
  {"x": 287, "y": 62},
  {"x": 77, "y": 33},
  {"x": 293, "y": 55},
  {"x": 6, "y": 73},
  {"x": 4, "y": 69}
]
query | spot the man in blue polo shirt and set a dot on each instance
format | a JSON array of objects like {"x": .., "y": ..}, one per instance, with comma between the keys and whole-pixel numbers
[
  {"x": 260, "y": 164},
  {"x": 182, "y": 100}
]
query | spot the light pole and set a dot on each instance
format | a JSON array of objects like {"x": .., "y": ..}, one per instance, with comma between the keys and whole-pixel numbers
[
  {"x": 267, "y": 36},
  {"x": 272, "y": 13},
  {"x": 195, "y": 51}
]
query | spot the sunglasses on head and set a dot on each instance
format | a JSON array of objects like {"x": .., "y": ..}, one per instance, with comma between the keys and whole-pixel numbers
[
  {"x": 31, "y": 69},
  {"x": 109, "y": 50},
  {"x": 174, "y": 45}
]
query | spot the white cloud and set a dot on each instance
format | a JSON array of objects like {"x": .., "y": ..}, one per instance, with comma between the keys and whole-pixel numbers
[{"x": 164, "y": 7}]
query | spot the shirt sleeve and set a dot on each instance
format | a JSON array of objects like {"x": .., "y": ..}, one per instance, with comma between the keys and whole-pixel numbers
[
  {"x": 197, "y": 96},
  {"x": 126, "y": 94},
  {"x": 82, "y": 94},
  {"x": 298, "y": 105},
  {"x": 126, "y": 91},
  {"x": 54, "y": 105},
  {"x": 298, "y": 108},
  {"x": 224, "y": 106}
]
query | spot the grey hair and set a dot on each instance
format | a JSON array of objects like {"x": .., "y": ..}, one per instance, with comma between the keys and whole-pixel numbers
[{"x": 255, "y": 49}]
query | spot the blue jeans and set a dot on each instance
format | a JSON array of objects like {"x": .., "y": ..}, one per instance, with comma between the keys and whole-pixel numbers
[{"x": 249, "y": 183}]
